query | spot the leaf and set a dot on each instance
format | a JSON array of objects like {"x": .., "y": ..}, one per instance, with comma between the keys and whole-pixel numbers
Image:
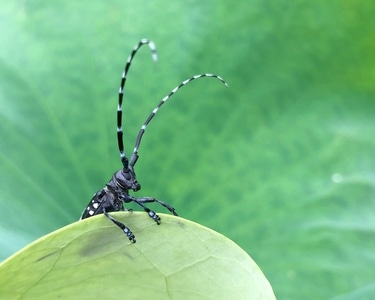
[{"x": 93, "y": 259}]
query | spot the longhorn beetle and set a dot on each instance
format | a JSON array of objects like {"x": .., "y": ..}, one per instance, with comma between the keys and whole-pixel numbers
[{"x": 116, "y": 192}]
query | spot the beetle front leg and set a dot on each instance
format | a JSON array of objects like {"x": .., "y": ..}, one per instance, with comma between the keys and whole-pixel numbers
[{"x": 150, "y": 199}]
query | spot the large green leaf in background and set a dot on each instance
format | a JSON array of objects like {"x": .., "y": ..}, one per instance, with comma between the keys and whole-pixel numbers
[{"x": 281, "y": 162}]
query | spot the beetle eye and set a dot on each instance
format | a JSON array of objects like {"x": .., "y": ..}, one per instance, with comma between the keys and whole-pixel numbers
[{"x": 126, "y": 175}]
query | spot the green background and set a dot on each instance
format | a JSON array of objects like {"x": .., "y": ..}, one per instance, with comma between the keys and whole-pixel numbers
[{"x": 280, "y": 162}]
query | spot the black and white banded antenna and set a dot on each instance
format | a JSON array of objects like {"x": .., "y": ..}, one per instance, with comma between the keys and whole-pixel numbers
[
  {"x": 134, "y": 156},
  {"x": 120, "y": 141}
]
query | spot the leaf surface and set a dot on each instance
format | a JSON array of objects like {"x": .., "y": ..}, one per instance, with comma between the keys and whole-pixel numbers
[{"x": 94, "y": 259}]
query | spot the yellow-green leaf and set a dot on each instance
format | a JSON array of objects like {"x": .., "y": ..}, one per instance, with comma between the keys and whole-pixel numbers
[{"x": 93, "y": 259}]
